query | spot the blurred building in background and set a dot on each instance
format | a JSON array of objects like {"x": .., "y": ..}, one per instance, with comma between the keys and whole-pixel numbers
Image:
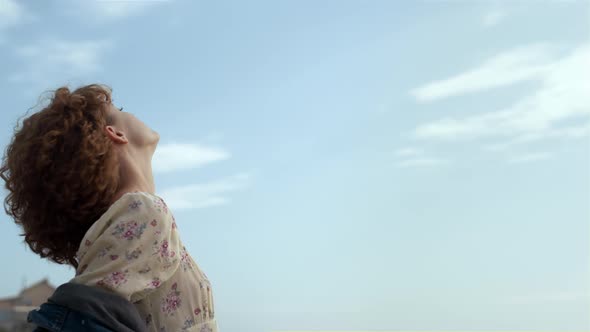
[{"x": 14, "y": 310}]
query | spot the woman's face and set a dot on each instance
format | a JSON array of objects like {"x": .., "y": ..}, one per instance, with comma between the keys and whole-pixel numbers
[{"x": 127, "y": 125}]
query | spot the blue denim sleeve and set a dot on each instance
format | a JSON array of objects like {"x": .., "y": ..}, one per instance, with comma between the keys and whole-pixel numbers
[{"x": 55, "y": 318}]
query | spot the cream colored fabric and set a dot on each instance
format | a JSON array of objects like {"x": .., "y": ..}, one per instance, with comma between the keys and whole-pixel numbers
[{"x": 134, "y": 249}]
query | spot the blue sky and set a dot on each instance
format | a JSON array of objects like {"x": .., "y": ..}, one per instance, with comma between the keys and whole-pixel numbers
[{"x": 344, "y": 165}]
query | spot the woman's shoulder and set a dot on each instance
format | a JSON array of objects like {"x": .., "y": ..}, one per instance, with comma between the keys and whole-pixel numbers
[
  {"x": 136, "y": 194},
  {"x": 140, "y": 201},
  {"x": 123, "y": 203},
  {"x": 130, "y": 203}
]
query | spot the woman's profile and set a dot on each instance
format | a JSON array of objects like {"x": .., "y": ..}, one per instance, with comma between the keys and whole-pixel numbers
[{"x": 79, "y": 180}]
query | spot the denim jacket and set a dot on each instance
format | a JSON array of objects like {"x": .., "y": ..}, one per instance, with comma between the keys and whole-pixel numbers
[{"x": 76, "y": 307}]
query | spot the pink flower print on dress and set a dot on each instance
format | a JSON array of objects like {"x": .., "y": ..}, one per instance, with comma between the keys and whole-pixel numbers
[
  {"x": 87, "y": 243},
  {"x": 166, "y": 255},
  {"x": 205, "y": 328},
  {"x": 154, "y": 283},
  {"x": 103, "y": 252},
  {"x": 185, "y": 260},
  {"x": 114, "y": 279},
  {"x": 188, "y": 323},
  {"x": 164, "y": 249},
  {"x": 197, "y": 311},
  {"x": 160, "y": 205},
  {"x": 135, "y": 204},
  {"x": 171, "y": 302},
  {"x": 154, "y": 223},
  {"x": 164, "y": 206},
  {"x": 133, "y": 255},
  {"x": 129, "y": 230},
  {"x": 114, "y": 257},
  {"x": 118, "y": 278}
]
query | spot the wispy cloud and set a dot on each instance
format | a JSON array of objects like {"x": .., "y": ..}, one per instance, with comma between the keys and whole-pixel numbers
[
  {"x": 562, "y": 96},
  {"x": 408, "y": 152},
  {"x": 11, "y": 13},
  {"x": 415, "y": 157},
  {"x": 493, "y": 18},
  {"x": 571, "y": 132},
  {"x": 558, "y": 296},
  {"x": 517, "y": 65},
  {"x": 49, "y": 58},
  {"x": 197, "y": 196},
  {"x": 421, "y": 162},
  {"x": 529, "y": 157},
  {"x": 116, "y": 9},
  {"x": 178, "y": 156}
]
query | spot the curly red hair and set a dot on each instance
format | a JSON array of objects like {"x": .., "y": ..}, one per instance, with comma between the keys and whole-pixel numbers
[{"x": 61, "y": 171}]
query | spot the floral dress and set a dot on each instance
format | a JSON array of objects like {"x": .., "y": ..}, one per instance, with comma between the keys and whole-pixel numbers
[{"x": 134, "y": 250}]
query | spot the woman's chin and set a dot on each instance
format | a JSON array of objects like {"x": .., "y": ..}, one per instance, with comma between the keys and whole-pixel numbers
[{"x": 156, "y": 136}]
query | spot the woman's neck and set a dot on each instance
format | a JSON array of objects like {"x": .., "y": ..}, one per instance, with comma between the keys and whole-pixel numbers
[{"x": 135, "y": 175}]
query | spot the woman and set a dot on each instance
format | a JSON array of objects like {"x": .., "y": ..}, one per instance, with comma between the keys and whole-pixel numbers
[{"x": 80, "y": 183}]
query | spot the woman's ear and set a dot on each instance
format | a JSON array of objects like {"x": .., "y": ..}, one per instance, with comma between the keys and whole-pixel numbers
[{"x": 115, "y": 135}]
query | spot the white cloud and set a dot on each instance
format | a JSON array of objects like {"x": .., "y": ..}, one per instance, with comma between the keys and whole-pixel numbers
[
  {"x": 415, "y": 157},
  {"x": 421, "y": 162},
  {"x": 529, "y": 157},
  {"x": 558, "y": 296},
  {"x": 178, "y": 156},
  {"x": 116, "y": 9},
  {"x": 562, "y": 96},
  {"x": 571, "y": 132},
  {"x": 209, "y": 194},
  {"x": 50, "y": 58},
  {"x": 407, "y": 152},
  {"x": 517, "y": 65},
  {"x": 493, "y": 18},
  {"x": 11, "y": 13}
]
